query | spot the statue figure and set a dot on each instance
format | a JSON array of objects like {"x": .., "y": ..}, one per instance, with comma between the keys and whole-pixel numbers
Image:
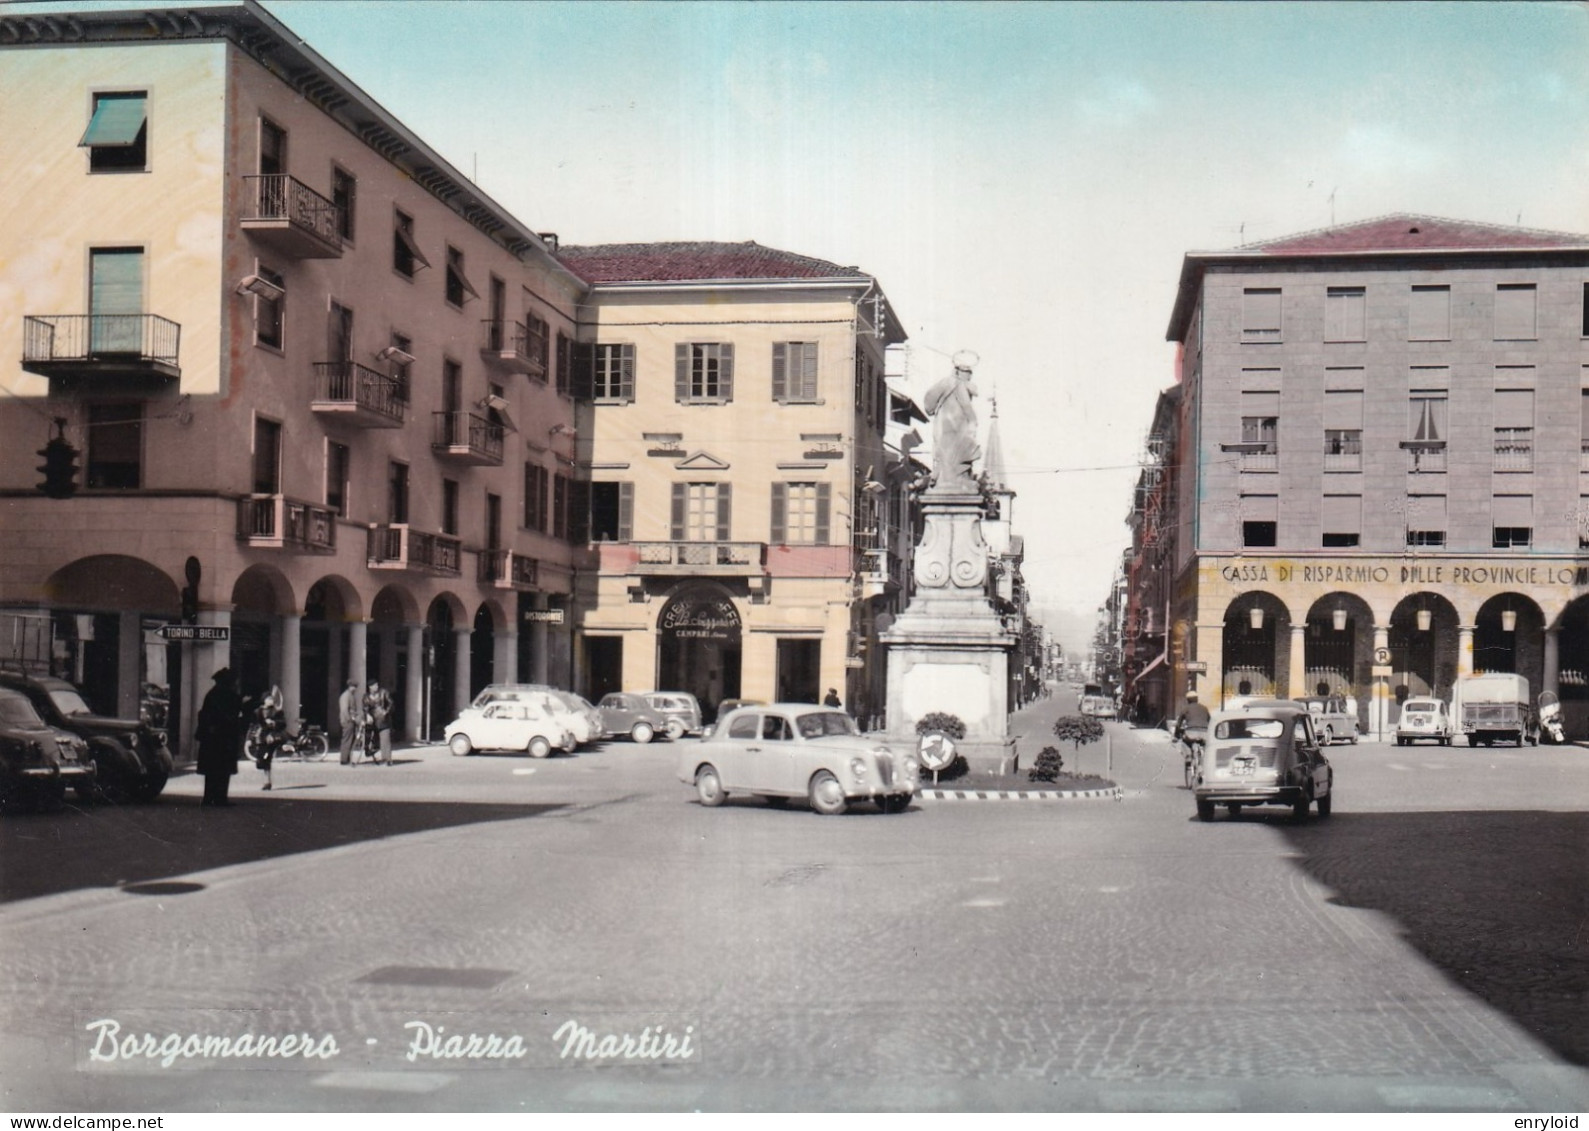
[{"x": 954, "y": 432}]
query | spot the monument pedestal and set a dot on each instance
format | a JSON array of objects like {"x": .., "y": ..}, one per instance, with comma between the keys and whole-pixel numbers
[{"x": 949, "y": 651}]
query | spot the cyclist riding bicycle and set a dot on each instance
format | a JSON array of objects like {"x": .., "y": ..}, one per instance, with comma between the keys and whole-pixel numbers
[{"x": 1191, "y": 729}]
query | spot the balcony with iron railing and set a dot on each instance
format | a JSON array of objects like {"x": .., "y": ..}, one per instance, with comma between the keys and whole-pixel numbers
[
  {"x": 398, "y": 546},
  {"x": 277, "y": 522},
  {"x": 464, "y": 437},
  {"x": 101, "y": 353},
  {"x": 718, "y": 559},
  {"x": 514, "y": 347},
  {"x": 290, "y": 217},
  {"x": 508, "y": 570},
  {"x": 357, "y": 395}
]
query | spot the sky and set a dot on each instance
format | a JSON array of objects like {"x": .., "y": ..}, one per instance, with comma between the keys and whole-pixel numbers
[{"x": 1023, "y": 179}]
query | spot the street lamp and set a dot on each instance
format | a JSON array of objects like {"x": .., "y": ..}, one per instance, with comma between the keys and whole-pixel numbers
[{"x": 1255, "y": 618}]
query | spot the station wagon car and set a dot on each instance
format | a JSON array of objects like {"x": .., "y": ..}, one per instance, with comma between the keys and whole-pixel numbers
[
  {"x": 785, "y": 750},
  {"x": 1263, "y": 756},
  {"x": 1424, "y": 718},
  {"x": 681, "y": 710},
  {"x": 509, "y": 724},
  {"x": 1331, "y": 718},
  {"x": 625, "y": 714}
]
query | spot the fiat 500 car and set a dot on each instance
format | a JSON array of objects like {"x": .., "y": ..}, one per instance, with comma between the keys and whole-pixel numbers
[
  {"x": 786, "y": 750},
  {"x": 575, "y": 712},
  {"x": 1263, "y": 756},
  {"x": 1331, "y": 720},
  {"x": 1424, "y": 719},
  {"x": 38, "y": 762},
  {"x": 509, "y": 724}
]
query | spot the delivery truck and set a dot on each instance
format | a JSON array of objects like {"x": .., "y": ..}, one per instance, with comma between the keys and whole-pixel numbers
[{"x": 1495, "y": 707}]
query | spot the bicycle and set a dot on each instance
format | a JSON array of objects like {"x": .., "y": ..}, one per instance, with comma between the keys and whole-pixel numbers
[
  {"x": 1191, "y": 752},
  {"x": 309, "y": 744},
  {"x": 366, "y": 745}
]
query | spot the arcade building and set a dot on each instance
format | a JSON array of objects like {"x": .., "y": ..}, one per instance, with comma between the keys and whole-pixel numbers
[{"x": 1379, "y": 473}]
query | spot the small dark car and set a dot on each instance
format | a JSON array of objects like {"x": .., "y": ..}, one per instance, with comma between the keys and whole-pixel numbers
[
  {"x": 38, "y": 762},
  {"x": 130, "y": 761}
]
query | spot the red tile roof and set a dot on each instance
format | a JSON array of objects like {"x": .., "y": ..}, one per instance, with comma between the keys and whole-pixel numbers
[
  {"x": 695, "y": 260},
  {"x": 1405, "y": 232}
]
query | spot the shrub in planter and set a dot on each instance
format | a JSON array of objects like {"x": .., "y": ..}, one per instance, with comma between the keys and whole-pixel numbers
[{"x": 1048, "y": 766}]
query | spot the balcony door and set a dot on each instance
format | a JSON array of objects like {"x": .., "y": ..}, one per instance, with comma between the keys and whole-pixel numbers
[
  {"x": 267, "y": 456},
  {"x": 115, "y": 300}
]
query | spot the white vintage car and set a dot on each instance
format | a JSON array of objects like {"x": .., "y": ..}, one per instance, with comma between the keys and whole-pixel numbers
[
  {"x": 1424, "y": 718},
  {"x": 782, "y": 750},
  {"x": 509, "y": 724}
]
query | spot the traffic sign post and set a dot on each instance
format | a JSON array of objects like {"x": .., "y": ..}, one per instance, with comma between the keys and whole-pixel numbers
[{"x": 204, "y": 633}]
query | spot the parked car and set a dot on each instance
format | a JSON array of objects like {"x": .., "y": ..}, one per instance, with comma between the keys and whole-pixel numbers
[
  {"x": 130, "y": 760},
  {"x": 1424, "y": 718},
  {"x": 582, "y": 720},
  {"x": 38, "y": 761},
  {"x": 1263, "y": 756},
  {"x": 681, "y": 709},
  {"x": 785, "y": 750},
  {"x": 623, "y": 713},
  {"x": 509, "y": 724},
  {"x": 727, "y": 705},
  {"x": 1331, "y": 719}
]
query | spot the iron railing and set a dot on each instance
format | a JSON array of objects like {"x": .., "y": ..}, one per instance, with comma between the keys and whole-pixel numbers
[
  {"x": 398, "y": 546},
  {"x": 698, "y": 555},
  {"x": 504, "y": 567},
  {"x": 275, "y": 520},
  {"x": 277, "y": 196},
  {"x": 465, "y": 430},
  {"x": 91, "y": 337},
  {"x": 348, "y": 382}
]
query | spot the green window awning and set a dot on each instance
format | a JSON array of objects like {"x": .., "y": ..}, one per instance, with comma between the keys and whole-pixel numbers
[{"x": 117, "y": 122}]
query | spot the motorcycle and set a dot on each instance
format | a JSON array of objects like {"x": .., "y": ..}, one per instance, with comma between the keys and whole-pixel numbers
[{"x": 1550, "y": 725}]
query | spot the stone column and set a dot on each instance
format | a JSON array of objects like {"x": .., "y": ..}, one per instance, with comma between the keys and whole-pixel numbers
[
  {"x": 1552, "y": 659},
  {"x": 538, "y": 640},
  {"x": 358, "y": 651},
  {"x": 414, "y": 688},
  {"x": 1299, "y": 660},
  {"x": 1464, "y": 650},
  {"x": 291, "y": 668},
  {"x": 507, "y": 657},
  {"x": 335, "y": 679},
  {"x": 129, "y": 664},
  {"x": 1379, "y": 709},
  {"x": 461, "y": 656}
]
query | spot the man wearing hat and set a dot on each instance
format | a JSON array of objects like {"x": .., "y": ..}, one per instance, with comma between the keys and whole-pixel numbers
[
  {"x": 350, "y": 712},
  {"x": 1192, "y": 729},
  {"x": 220, "y": 731}
]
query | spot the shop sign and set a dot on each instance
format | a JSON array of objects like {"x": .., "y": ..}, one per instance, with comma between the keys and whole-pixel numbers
[
  {"x": 542, "y": 616},
  {"x": 208, "y": 633},
  {"x": 1453, "y": 573},
  {"x": 701, "y": 618}
]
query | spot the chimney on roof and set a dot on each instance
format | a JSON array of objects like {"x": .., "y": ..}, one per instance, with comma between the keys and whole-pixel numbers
[{"x": 549, "y": 239}]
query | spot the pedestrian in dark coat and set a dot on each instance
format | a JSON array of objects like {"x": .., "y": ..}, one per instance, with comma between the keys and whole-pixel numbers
[{"x": 220, "y": 736}]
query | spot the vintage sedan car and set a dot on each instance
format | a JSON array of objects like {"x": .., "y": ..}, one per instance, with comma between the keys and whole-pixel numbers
[
  {"x": 681, "y": 709},
  {"x": 509, "y": 724},
  {"x": 574, "y": 711},
  {"x": 625, "y": 714},
  {"x": 130, "y": 760},
  {"x": 783, "y": 750},
  {"x": 38, "y": 761},
  {"x": 1263, "y": 756},
  {"x": 1331, "y": 718},
  {"x": 1424, "y": 718}
]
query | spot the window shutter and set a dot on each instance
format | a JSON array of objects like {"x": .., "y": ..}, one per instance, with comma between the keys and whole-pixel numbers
[
  {"x": 680, "y": 497},
  {"x": 780, "y": 380},
  {"x": 1514, "y": 310},
  {"x": 1261, "y": 313},
  {"x": 808, "y": 371},
  {"x": 824, "y": 512},
  {"x": 626, "y": 512},
  {"x": 726, "y": 369},
  {"x": 1426, "y": 512},
  {"x": 626, "y": 383},
  {"x": 564, "y": 361},
  {"x": 584, "y": 370},
  {"x": 725, "y": 493},
  {"x": 1514, "y": 408},
  {"x": 1429, "y": 314},
  {"x": 1260, "y": 404},
  {"x": 1344, "y": 309},
  {"x": 681, "y": 372},
  {"x": 1513, "y": 510},
  {"x": 1343, "y": 514},
  {"x": 780, "y": 510},
  {"x": 1583, "y": 415},
  {"x": 579, "y": 512},
  {"x": 1260, "y": 508},
  {"x": 1343, "y": 410}
]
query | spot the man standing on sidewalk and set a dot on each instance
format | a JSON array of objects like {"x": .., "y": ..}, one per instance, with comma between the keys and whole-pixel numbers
[
  {"x": 351, "y": 711},
  {"x": 378, "y": 709}
]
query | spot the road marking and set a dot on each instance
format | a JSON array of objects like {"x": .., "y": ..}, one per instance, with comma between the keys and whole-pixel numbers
[
  {"x": 1396, "y": 766},
  {"x": 525, "y": 770},
  {"x": 983, "y": 903}
]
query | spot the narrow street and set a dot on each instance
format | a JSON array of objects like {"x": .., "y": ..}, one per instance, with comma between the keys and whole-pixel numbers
[{"x": 1413, "y": 953}]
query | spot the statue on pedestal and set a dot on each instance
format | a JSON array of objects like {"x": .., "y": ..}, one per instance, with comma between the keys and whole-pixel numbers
[{"x": 954, "y": 429}]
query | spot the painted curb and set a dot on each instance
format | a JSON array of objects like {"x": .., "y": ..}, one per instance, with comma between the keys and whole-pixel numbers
[{"x": 1115, "y": 794}]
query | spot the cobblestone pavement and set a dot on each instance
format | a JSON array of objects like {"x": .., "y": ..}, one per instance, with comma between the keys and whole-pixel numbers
[{"x": 1415, "y": 952}]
